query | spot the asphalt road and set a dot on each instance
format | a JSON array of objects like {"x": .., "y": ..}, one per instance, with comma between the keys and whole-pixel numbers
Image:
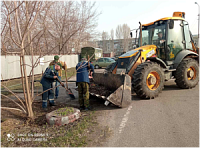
[{"x": 170, "y": 120}]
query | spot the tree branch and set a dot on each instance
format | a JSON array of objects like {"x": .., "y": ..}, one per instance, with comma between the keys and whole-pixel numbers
[
  {"x": 14, "y": 94},
  {"x": 12, "y": 108},
  {"x": 14, "y": 102},
  {"x": 45, "y": 91}
]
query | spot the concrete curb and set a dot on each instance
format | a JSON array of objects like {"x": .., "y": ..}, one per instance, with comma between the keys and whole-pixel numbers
[{"x": 52, "y": 119}]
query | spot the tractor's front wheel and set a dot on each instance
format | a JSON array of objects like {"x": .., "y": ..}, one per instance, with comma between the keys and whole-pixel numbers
[
  {"x": 148, "y": 80},
  {"x": 187, "y": 73}
]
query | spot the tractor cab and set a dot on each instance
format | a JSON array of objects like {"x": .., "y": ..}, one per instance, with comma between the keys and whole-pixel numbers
[{"x": 171, "y": 35}]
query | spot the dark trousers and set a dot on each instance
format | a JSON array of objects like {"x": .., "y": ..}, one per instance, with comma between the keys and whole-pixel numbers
[
  {"x": 48, "y": 95},
  {"x": 57, "y": 88}
]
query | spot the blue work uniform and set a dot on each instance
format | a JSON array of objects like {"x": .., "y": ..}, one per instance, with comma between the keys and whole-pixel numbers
[
  {"x": 82, "y": 72},
  {"x": 46, "y": 81},
  {"x": 83, "y": 81}
]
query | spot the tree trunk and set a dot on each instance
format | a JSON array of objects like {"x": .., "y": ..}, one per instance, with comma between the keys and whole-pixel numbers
[
  {"x": 24, "y": 90},
  {"x": 27, "y": 88},
  {"x": 32, "y": 81}
]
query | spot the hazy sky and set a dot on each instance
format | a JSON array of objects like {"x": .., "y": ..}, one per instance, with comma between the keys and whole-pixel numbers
[{"x": 130, "y": 12}]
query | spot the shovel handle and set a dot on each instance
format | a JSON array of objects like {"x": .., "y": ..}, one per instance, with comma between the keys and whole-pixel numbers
[
  {"x": 88, "y": 61},
  {"x": 62, "y": 83},
  {"x": 66, "y": 74}
]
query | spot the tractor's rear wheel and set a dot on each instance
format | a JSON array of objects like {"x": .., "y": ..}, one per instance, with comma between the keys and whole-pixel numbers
[
  {"x": 148, "y": 80},
  {"x": 187, "y": 73}
]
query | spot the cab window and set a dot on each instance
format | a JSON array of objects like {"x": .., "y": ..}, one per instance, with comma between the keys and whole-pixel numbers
[
  {"x": 175, "y": 40},
  {"x": 175, "y": 35},
  {"x": 187, "y": 36}
]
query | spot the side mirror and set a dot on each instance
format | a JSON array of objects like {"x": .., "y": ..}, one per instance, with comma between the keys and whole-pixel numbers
[
  {"x": 171, "y": 24},
  {"x": 131, "y": 34}
]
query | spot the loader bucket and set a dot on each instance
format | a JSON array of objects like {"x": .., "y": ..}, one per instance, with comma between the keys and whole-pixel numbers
[{"x": 118, "y": 85}]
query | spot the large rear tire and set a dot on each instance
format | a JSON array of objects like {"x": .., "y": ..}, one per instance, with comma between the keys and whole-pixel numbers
[
  {"x": 148, "y": 80},
  {"x": 187, "y": 73}
]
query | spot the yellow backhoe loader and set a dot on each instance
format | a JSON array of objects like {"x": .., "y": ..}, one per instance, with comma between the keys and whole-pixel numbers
[{"x": 167, "y": 51}]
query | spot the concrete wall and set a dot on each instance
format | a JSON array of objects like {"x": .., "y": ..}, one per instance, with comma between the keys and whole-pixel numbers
[{"x": 10, "y": 65}]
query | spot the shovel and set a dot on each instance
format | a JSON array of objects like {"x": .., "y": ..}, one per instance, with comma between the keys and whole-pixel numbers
[{"x": 69, "y": 90}]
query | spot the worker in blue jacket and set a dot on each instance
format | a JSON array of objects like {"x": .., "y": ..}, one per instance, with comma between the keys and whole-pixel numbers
[
  {"x": 82, "y": 79},
  {"x": 50, "y": 75}
]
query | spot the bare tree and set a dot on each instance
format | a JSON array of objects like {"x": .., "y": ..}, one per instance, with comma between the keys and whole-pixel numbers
[
  {"x": 70, "y": 24},
  {"x": 71, "y": 21},
  {"x": 123, "y": 34},
  {"x": 118, "y": 32},
  {"x": 112, "y": 40},
  {"x": 126, "y": 36},
  {"x": 105, "y": 37},
  {"x": 20, "y": 21}
]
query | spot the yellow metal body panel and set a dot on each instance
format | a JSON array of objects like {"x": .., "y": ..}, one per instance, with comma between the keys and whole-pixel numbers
[
  {"x": 163, "y": 19},
  {"x": 145, "y": 50}
]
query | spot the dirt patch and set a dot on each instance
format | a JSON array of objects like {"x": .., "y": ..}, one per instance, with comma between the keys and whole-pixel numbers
[
  {"x": 83, "y": 132},
  {"x": 100, "y": 90}
]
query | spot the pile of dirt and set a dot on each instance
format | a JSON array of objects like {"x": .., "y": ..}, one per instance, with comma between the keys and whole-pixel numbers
[{"x": 100, "y": 90}]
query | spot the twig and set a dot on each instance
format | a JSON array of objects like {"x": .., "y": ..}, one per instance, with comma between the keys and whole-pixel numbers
[
  {"x": 16, "y": 8},
  {"x": 27, "y": 65},
  {"x": 14, "y": 95},
  {"x": 45, "y": 91},
  {"x": 14, "y": 61},
  {"x": 7, "y": 52},
  {"x": 12, "y": 108},
  {"x": 14, "y": 102}
]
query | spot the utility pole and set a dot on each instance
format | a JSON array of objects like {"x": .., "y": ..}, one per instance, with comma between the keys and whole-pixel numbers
[{"x": 198, "y": 21}]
